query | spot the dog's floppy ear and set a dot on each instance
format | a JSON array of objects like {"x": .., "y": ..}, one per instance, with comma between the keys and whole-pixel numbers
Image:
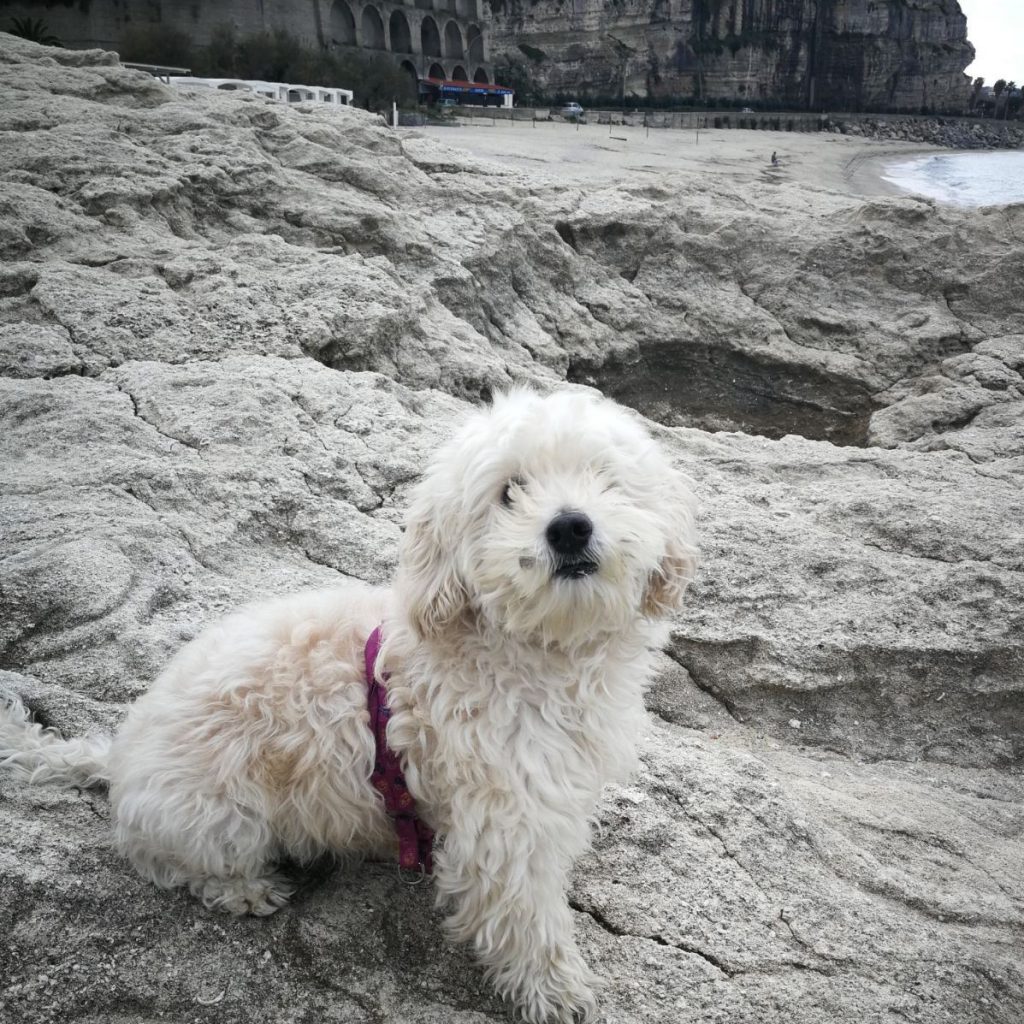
[
  {"x": 428, "y": 580},
  {"x": 678, "y": 566}
]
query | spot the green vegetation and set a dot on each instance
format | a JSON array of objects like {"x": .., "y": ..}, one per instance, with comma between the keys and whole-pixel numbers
[
  {"x": 1012, "y": 103},
  {"x": 34, "y": 30},
  {"x": 164, "y": 46},
  {"x": 274, "y": 57},
  {"x": 733, "y": 42},
  {"x": 515, "y": 74},
  {"x": 376, "y": 82},
  {"x": 533, "y": 53},
  {"x": 1003, "y": 102}
]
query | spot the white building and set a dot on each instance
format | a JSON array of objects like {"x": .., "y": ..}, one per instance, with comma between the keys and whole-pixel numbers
[{"x": 283, "y": 92}]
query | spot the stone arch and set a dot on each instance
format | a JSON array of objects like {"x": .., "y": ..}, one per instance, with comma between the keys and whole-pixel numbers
[
  {"x": 371, "y": 27},
  {"x": 342, "y": 24},
  {"x": 475, "y": 44},
  {"x": 401, "y": 37},
  {"x": 459, "y": 74},
  {"x": 430, "y": 38},
  {"x": 481, "y": 76},
  {"x": 453, "y": 40},
  {"x": 436, "y": 71}
]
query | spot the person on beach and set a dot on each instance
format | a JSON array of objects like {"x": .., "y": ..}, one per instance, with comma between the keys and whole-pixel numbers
[{"x": 775, "y": 159}]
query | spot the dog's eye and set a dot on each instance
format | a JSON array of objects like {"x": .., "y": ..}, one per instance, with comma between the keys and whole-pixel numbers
[{"x": 506, "y": 494}]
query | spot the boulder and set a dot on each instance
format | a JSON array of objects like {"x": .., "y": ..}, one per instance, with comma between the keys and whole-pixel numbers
[{"x": 231, "y": 334}]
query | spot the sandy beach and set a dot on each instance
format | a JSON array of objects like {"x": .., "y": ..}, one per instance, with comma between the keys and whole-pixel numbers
[{"x": 555, "y": 152}]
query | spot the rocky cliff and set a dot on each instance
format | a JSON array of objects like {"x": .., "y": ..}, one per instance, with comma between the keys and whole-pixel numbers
[
  {"x": 231, "y": 333},
  {"x": 817, "y": 54}
]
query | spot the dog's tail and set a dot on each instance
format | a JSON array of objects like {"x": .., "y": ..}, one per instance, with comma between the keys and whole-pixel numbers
[{"x": 39, "y": 754}]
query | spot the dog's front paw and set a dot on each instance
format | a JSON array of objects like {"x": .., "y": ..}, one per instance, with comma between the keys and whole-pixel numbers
[
  {"x": 560, "y": 993},
  {"x": 257, "y": 896}
]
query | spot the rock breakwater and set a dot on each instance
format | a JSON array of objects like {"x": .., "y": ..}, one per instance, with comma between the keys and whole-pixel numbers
[{"x": 950, "y": 134}]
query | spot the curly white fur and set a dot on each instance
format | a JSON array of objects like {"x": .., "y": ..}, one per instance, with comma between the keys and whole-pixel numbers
[{"x": 515, "y": 691}]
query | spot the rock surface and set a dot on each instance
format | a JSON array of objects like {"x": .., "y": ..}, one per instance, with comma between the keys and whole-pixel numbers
[
  {"x": 846, "y": 55},
  {"x": 230, "y": 335}
]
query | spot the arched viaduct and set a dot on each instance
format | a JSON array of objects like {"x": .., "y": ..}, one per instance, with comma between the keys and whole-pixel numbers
[
  {"x": 448, "y": 36},
  {"x": 430, "y": 38}
]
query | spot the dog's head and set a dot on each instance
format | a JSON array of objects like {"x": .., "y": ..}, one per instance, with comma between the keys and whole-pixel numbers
[{"x": 554, "y": 519}]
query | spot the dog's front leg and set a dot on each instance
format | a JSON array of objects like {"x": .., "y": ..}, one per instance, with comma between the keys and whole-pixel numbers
[{"x": 506, "y": 874}]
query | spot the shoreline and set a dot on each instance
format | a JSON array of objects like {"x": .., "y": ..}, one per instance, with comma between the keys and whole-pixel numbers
[
  {"x": 977, "y": 179},
  {"x": 864, "y": 173},
  {"x": 599, "y": 154},
  {"x": 622, "y": 155}
]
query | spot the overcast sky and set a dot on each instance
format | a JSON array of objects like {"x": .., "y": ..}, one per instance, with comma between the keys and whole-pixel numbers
[{"x": 996, "y": 27}]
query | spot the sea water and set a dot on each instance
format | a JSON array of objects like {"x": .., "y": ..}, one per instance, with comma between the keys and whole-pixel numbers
[{"x": 966, "y": 179}]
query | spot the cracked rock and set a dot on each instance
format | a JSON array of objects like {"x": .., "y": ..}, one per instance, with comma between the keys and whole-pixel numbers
[{"x": 231, "y": 335}]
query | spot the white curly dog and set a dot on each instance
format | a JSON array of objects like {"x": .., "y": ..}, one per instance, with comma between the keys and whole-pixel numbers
[{"x": 545, "y": 546}]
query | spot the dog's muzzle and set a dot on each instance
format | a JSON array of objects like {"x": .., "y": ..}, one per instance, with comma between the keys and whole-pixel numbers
[
  {"x": 575, "y": 570},
  {"x": 569, "y": 535}
]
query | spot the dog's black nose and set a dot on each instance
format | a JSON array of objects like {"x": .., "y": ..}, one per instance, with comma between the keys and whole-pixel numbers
[{"x": 569, "y": 533}]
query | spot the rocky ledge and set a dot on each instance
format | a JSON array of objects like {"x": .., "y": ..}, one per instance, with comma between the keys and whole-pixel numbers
[{"x": 230, "y": 334}]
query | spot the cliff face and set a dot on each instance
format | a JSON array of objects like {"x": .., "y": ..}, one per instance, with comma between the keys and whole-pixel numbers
[{"x": 835, "y": 54}]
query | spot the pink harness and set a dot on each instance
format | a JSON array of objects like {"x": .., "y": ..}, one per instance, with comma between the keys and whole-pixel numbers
[{"x": 415, "y": 837}]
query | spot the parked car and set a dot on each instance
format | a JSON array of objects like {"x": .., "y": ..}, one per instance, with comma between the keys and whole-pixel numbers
[
  {"x": 448, "y": 102},
  {"x": 571, "y": 109},
  {"x": 746, "y": 110}
]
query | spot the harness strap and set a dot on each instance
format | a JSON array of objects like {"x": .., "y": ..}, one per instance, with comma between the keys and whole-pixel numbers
[{"x": 415, "y": 837}]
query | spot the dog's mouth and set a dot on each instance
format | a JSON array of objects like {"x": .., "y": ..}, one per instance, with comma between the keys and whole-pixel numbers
[{"x": 576, "y": 569}]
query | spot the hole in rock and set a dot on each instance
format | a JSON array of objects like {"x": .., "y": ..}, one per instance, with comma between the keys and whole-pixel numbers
[
  {"x": 706, "y": 386},
  {"x": 38, "y": 714},
  {"x": 566, "y": 233}
]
